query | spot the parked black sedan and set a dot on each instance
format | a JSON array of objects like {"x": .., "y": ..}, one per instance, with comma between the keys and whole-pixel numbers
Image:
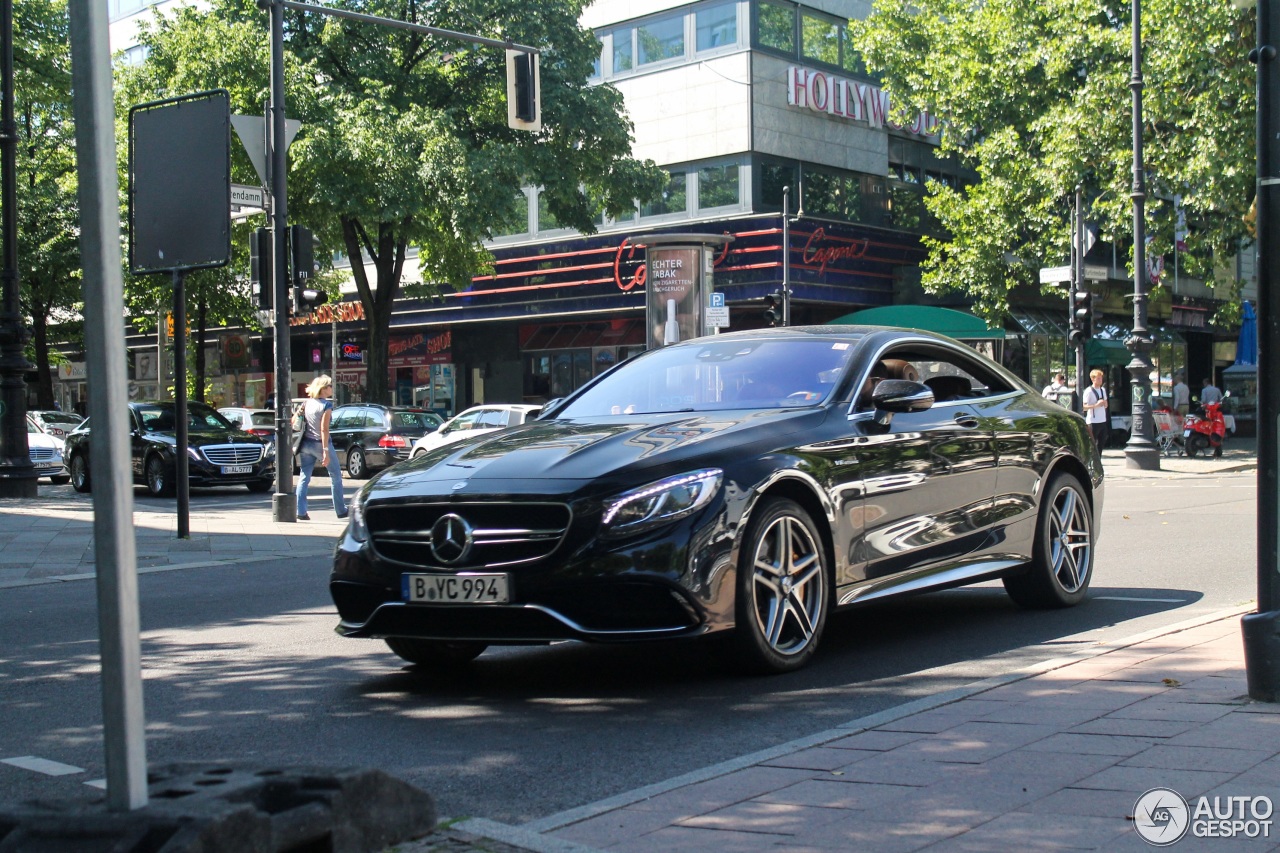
[
  {"x": 369, "y": 437},
  {"x": 751, "y": 482},
  {"x": 218, "y": 452}
]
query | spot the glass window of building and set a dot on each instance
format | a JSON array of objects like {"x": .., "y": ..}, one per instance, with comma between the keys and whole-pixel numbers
[
  {"x": 850, "y": 57},
  {"x": 775, "y": 176},
  {"x": 776, "y": 25},
  {"x": 623, "y": 52},
  {"x": 546, "y": 219},
  {"x": 820, "y": 39},
  {"x": 906, "y": 207},
  {"x": 674, "y": 198},
  {"x": 717, "y": 26},
  {"x": 832, "y": 194},
  {"x": 597, "y": 67},
  {"x": 660, "y": 39},
  {"x": 123, "y": 8},
  {"x": 718, "y": 186}
]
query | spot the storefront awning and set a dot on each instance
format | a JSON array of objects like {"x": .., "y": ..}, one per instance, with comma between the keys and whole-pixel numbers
[
  {"x": 943, "y": 321},
  {"x": 1110, "y": 353}
]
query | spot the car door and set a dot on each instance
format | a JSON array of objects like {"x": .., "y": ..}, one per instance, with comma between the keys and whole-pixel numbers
[
  {"x": 927, "y": 477},
  {"x": 344, "y": 421}
]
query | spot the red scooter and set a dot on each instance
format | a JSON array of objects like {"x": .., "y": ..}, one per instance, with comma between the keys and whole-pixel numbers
[{"x": 1203, "y": 429}]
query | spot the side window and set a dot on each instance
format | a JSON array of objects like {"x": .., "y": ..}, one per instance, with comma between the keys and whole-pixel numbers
[
  {"x": 342, "y": 419},
  {"x": 493, "y": 419}
]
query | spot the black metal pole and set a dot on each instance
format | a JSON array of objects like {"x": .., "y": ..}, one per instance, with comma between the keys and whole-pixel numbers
[
  {"x": 284, "y": 504},
  {"x": 786, "y": 255},
  {"x": 1261, "y": 629},
  {"x": 1141, "y": 451},
  {"x": 181, "y": 468},
  {"x": 1077, "y": 284},
  {"x": 17, "y": 474}
]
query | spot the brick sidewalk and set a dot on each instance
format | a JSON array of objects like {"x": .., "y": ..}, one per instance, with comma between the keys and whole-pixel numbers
[{"x": 1053, "y": 757}]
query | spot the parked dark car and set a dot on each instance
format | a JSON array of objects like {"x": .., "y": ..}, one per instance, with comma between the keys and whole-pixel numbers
[
  {"x": 218, "y": 452},
  {"x": 752, "y": 482},
  {"x": 369, "y": 437}
]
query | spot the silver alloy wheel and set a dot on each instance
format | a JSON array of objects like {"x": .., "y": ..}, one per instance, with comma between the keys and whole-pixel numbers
[
  {"x": 156, "y": 481},
  {"x": 80, "y": 473},
  {"x": 1070, "y": 548},
  {"x": 355, "y": 464},
  {"x": 787, "y": 586}
]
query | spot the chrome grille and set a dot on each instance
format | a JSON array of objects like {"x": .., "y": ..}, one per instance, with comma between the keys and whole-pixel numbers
[
  {"x": 41, "y": 454},
  {"x": 232, "y": 454},
  {"x": 503, "y": 534}
]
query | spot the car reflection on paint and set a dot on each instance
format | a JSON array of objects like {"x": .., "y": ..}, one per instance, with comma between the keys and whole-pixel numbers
[{"x": 748, "y": 483}]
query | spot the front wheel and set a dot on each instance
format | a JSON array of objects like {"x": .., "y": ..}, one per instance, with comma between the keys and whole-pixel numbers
[
  {"x": 783, "y": 592},
  {"x": 1062, "y": 559},
  {"x": 159, "y": 484},
  {"x": 436, "y": 654},
  {"x": 80, "y": 473},
  {"x": 356, "y": 467}
]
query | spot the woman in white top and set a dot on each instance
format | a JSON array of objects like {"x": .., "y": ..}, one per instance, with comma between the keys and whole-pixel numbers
[{"x": 318, "y": 445}]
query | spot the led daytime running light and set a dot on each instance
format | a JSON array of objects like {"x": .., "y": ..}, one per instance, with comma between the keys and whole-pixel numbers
[{"x": 708, "y": 480}]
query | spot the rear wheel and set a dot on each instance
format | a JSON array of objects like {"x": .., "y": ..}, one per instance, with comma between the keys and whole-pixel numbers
[
  {"x": 159, "y": 483},
  {"x": 1197, "y": 443},
  {"x": 1062, "y": 560},
  {"x": 80, "y": 473},
  {"x": 783, "y": 591},
  {"x": 437, "y": 654},
  {"x": 356, "y": 467}
]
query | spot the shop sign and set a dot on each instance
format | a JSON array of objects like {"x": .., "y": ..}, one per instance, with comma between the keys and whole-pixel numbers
[
  {"x": 351, "y": 352},
  {"x": 351, "y": 377},
  {"x": 422, "y": 348},
  {"x": 849, "y": 99},
  {"x": 821, "y": 250},
  {"x": 341, "y": 312},
  {"x": 73, "y": 370},
  {"x": 1187, "y": 317}
]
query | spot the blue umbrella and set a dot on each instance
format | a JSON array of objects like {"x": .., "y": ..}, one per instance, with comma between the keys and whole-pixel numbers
[{"x": 1247, "y": 346}]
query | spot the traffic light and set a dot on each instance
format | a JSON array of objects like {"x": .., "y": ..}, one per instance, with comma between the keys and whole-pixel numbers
[
  {"x": 773, "y": 308},
  {"x": 1081, "y": 314},
  {"x": 260, "y": 268},
  {"x": 523, "y": 97},
  {"x": 306, "y": 296}
]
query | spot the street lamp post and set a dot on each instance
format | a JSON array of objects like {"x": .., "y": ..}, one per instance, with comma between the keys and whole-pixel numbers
[
  {"x": 1261, "y": 629},
  {"x": 17, "y": 474},
  {"x": 1141, "y": 451}
]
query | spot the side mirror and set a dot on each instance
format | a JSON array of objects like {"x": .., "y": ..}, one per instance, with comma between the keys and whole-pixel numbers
[
  {"x": 548, "y": 406},
  {"x": 902, "y": 395}
]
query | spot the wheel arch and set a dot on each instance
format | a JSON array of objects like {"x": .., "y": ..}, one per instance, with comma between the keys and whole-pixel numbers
[{"x": 808, "y": 494}]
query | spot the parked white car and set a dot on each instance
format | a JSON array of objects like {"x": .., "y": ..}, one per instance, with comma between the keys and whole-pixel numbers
[
  {"x": 475, "y": 421},
  {"x": 260, "y": 422},
  {"x": 46, "y": 454}
]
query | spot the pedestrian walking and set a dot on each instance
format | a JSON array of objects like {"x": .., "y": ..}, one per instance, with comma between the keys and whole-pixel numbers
[
  {"x": 317, "y": 445},
  {"x": 1095, "y": 409},
  {"x": 1181, "y": 394},
  {"x": 1055, "y": 389},
  {"x": 1210, "y": 393}
]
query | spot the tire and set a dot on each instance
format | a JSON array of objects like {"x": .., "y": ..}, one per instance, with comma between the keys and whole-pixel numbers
[
  {"x": 60, "y": 480},
  {"x": 356, "y": 467},
  {"x": 80, "y": 473},
  {"x": 260, "y": 487},
  {"x": 1062, "y": 559},
  {"x": 436, "y": 654},
  {"x": 158, "y": 482},
  {"x": 1196, "y": 444},
  {"x": 783, "y": 589}
]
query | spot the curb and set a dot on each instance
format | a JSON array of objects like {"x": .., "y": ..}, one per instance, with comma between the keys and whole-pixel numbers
[{"x": 861, "y": 724}]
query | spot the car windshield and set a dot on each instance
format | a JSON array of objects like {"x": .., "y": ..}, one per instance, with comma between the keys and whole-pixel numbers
[
  {"x": 160, "y": 417},
  {"x": 59, "y": 418},
  {"x": 730, "y": 374}
]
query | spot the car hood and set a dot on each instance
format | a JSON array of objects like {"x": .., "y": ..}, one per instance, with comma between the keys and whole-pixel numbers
[
  {"x": 40, "y": 439},
  {"x": 200, "y": 438},
  {"x": 595, "y": 448}
]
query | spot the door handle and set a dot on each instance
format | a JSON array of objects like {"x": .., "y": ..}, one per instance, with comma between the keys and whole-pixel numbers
[{"x": 966, "y": 420}]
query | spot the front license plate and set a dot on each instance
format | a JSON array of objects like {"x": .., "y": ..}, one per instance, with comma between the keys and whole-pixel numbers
[
  {"x": 237, "y": 469},
  {"x": 462, "y": 588}
]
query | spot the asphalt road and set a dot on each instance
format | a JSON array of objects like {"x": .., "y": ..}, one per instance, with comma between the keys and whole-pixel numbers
[{"x": 241, "y": 665}]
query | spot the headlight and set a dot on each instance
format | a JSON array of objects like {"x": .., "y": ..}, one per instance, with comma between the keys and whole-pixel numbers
[
  {"x": 270, "y": 450},
  {"x": 193, "y": 453},
  {"x": 661, "y": 502},
  {"x": 358, "y": 529}
]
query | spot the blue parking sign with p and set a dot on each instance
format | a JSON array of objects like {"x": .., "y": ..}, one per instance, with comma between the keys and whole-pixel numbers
[{"x": 717, "y": 300}]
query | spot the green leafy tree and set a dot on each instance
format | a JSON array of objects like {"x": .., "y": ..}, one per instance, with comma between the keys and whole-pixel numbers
[
  {"x": 1036, "y": 98},
  {"x": 404, "y": 140},
  {"x": 48, "y": 250}
]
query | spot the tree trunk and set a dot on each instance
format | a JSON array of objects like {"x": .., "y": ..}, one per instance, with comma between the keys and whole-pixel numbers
[
  {"x": 388, "y": 263},
  {"x": 40, "y": 340},
  {"x": 201, "y": 314}
]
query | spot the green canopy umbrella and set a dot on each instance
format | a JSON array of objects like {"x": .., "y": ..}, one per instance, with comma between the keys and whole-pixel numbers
[{"x": 928, "y": 318}]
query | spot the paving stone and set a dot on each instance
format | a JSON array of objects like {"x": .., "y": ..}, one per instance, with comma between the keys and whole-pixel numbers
[
  {"x": 1092, "y": 744},
  {"x": 1141, "y": 727},
  {"x": 689, "y": 839},
  {"x": 836, "y": 793},
  {"x": 703, "y": 797},
  {"x": 615, "y": 827},
  {"x": 1084, "y": 801},
  {"x": 817, "y": 758},
  {"x": 1036, "y": 831},
  {"x": 766, "y": 817},
  {"x": 1135, "y": 780},
  {"x": 876, "y": 739}
]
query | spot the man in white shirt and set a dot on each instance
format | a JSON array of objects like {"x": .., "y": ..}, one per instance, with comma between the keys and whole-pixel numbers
[
  {"x": 1095, "y": 409},
  {"x": 1181, "y": 395},
  {"x": 1056, "y": 388},
  {"x": 1210, "y": 393}
]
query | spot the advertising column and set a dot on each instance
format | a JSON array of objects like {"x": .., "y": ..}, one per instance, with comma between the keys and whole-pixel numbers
[{"x": 678, "y": 282}]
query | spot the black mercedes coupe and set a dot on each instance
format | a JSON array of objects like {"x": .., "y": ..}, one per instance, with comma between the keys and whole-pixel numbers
[{"x": 749, "y": 482}]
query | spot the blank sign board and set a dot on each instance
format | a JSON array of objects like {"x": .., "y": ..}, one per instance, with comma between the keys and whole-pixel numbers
[{"x": 180, "y": 183}]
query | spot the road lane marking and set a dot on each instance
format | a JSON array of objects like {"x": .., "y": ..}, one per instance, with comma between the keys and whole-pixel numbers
[
  {"x": 1135, "y": 598},
  {"x": 97, "y": 783},
  {"x": 42, "y": 765}
]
